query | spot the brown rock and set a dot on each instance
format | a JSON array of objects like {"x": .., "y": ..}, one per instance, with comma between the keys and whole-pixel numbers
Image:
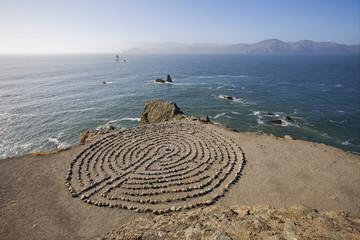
[
  {"x": 157, "y": 111},
  {"x": 205, "y": 118}
]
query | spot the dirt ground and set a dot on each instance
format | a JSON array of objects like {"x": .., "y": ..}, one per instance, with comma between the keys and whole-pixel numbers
[{"x": 36, "y": 204}]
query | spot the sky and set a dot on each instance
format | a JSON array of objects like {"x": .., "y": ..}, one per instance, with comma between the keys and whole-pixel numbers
[{"x": 96, "y": 26}]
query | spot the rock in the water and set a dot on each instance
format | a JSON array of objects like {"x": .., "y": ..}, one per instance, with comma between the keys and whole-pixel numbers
[
  {"x": 276, "y": 122},
  {"x": 269, "y": 114},
  {"x": 229, "y": 98},
  {"x": 168, "y": 79},
  {"x": 156, "y": 111},
  {"x": 289, "y": 119},
  {"x": 160, "y": 80}
]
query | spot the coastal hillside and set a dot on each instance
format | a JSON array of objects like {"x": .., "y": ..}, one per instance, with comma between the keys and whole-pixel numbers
[
  {"x": 180, "y": 176},
  {"x": 263, "y": 47}
]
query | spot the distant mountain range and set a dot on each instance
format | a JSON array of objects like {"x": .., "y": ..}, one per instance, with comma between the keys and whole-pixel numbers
[{"x": 266, "y": 46}]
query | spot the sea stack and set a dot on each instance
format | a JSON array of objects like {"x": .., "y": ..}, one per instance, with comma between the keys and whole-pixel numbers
[{"x": 168, "y": 79}]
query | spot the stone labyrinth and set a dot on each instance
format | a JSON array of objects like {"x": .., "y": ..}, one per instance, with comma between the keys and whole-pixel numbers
[{"x": 156, "y": 168}]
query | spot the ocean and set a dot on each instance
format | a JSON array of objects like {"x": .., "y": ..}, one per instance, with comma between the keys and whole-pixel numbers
[{"x": 48, "y": 100}]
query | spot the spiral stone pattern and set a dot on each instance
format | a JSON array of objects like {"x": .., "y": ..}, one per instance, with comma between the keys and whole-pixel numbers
[{"x": 156, "y": 168}]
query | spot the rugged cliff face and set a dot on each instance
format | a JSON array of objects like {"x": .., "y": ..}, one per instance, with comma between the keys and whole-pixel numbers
[{"x": 242, "y": 222}]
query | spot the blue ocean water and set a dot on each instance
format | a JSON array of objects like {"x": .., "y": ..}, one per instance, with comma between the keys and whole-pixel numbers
[{"x": 46, "y": 99}]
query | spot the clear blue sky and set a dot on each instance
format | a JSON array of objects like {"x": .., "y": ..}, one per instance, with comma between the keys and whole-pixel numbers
[{"x": 77, "y": 26}]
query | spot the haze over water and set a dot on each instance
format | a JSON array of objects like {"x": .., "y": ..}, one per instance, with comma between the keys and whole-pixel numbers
[{"x": 48, "y": 99}]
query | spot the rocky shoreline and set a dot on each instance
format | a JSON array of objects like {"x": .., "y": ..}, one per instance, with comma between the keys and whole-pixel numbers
[{"x": 165, "y": 173}]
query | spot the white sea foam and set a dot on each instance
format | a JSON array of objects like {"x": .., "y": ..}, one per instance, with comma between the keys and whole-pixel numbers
[
  {"x": 325, "y": 135},
  {"x": 54, "y": 140},
  {"x": 256, "y": 113},
  {"x": 259, "y": 121},
  {"x": 130, "y": 119},
  {"x": 219, "y": 115},
  {"x": 259, "y": 117},
  {"x": 100, "y": 119},
  {"x": 338, "y": 85},
  {"x": 56, "y": 143},
  {"x": 347, "y": 143},
  {"x": 343, "y": 121},
  {"x": 77, "y": 110}
]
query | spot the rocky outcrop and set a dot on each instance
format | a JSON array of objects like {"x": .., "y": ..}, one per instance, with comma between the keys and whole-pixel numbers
[
  {"x": 168, "y": 78},
  {"x": 278, "y": 121},
  {"x": 242, "y": 222},
  {"x": 159, "y": 80},
  {"x": 157, "y": 111},
  {"x": 205, "y": 118},
  {"x": 275, "y": 122},
  {"x": 289, "y": 119}
]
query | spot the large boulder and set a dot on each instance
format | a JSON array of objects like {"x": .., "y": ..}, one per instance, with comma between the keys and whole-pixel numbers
[{"x": 156, "y": 111}]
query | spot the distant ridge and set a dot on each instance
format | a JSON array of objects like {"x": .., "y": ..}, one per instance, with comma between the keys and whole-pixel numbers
[{"x": 265, "y": 46}]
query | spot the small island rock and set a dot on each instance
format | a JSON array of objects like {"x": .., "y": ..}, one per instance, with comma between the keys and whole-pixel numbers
[
  {"x": 168, "y": 79},
  {"x": 289, "y": 119},
  {"x": 275, "y": 122},
  {"x": 159, "y": 80}
]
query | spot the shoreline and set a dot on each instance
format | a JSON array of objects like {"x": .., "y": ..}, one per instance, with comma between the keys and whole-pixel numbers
[
  {"x": 279, "y": 136},
  {"x": 280, "y": 172},
  {"x": 42, "y": 199}
]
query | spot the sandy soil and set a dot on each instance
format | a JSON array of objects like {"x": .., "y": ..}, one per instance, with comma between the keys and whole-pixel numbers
[{"x": 35, "y": 202}]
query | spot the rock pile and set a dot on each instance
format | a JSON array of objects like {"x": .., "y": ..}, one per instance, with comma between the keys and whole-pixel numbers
[{"x": 156, "y": 168}]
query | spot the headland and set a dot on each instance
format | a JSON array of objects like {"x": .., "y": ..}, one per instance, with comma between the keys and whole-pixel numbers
[{"x": 176, "y": 167}]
